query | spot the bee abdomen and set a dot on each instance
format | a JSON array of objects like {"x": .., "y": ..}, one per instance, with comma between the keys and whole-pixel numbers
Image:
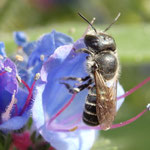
[{"x": 89, "y": 114}]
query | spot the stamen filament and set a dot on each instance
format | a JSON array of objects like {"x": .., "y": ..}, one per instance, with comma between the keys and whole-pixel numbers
[
  {"x": 62, "y": 109},
  {"x": 3, "y": 73},
  {"x": 28, "y": 98},
  {"x": 26, "y": 85},
  {"x": 70, "y": 119},
  {"x": 134, "y": 89},
  {"x": 128, "y": 121},
  {"x": 84, "y": 127}
]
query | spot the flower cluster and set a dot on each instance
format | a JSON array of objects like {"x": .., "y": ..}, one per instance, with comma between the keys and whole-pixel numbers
[{"x": 30, "y": 88}]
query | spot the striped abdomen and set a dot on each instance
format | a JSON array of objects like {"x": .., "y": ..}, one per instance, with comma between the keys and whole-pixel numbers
[{"x": 89, "y": 115}]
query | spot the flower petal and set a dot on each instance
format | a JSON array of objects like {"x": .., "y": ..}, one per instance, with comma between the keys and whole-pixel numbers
[
  {"x": 15, "y": 123},
  {"x": 2, "y": 49},
  {"x": 77, "y": 140},
  {"x": 46, "y": 46},
  {"x": 20, "y": 38}
]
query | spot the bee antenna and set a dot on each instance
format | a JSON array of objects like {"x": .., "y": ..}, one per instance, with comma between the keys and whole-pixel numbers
[
  {"x": 113, "y": 22},
  {"x": 87, "y": 21}
]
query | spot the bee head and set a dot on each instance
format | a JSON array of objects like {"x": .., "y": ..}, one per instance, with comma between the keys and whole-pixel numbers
[{"x": 100, "y": 42}]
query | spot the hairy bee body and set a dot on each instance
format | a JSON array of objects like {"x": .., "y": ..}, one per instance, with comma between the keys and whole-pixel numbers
[
  {"x": 102, "y": 66},
  {"x": 107, "y": 66}
]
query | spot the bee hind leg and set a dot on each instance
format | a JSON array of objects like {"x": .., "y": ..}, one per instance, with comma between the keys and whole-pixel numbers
[
  {"x": 76, "y": 79},
  {"x": 78, "y": 89}
]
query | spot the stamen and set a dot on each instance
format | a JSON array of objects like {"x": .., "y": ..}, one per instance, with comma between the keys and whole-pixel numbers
[
  {"x": 134, "y": 89},
  {"x": 28, "y": 98},
  {"x": 37, "y": 76},
  {"x": 42, "y": 57},
  {"x": 18, "y": 78},
  {"x": 8, "y": 69},
  {"x": 26, "y": 85},
  {"x": 6, "y": 115},
  {"x": 128, "y": 121},
  {"x": 120, "y": 124},
  {"x": 30, "y": 92},
  {"x": 61, "y": 130},
  {"x": 19, "y": 58},
  {"x": 65, "y": 130},
  {"x": 19, "y": 49},
  {"x": 73, "y": 129},
  {"x": 62, "y": 109},
  {"x": 148, "y": 107}
]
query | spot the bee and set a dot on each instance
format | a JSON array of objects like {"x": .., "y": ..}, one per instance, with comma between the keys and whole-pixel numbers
[{"x": 103, "y": 67}]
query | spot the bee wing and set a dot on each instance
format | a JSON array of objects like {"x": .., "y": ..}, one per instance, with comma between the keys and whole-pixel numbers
[{"x": 105, "y": 101}]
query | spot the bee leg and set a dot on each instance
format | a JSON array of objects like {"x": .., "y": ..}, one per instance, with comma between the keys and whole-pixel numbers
[
  {"x": 79, "y": 88},
  {"x": 84, "y": 86},
  {"x": 76, "y": 79},
  {"x": 69, "y": 87}
]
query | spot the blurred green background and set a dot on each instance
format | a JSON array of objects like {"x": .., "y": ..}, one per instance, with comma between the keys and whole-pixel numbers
[{"x": 132, "y": 35}]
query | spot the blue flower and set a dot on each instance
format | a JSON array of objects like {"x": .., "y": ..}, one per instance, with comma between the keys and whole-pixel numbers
[
  {"x": 2, "y": 49},
  {"x": 20, "y": 38},
  {"x": 43, "y": 48},
  {"x": 58, "y": 114},
  {"x": 13, "y": 115},
  {"x": 46, "y": 46}
]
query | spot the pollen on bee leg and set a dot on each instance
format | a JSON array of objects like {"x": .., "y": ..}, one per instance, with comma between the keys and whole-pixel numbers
[
  {"x": 7, "y": 114},
  {"x": 77, "y": 90}
]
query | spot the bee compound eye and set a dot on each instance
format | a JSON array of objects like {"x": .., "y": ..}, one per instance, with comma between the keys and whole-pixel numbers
[{"x": 92, "y": 42}]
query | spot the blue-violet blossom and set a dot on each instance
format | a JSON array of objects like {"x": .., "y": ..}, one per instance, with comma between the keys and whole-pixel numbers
[
  {"x": 20, "y": 38},
  {"x": 12, "y": 98},
  {"x": 58, "y": 121},
  {"x": 2, "y": 49}
]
